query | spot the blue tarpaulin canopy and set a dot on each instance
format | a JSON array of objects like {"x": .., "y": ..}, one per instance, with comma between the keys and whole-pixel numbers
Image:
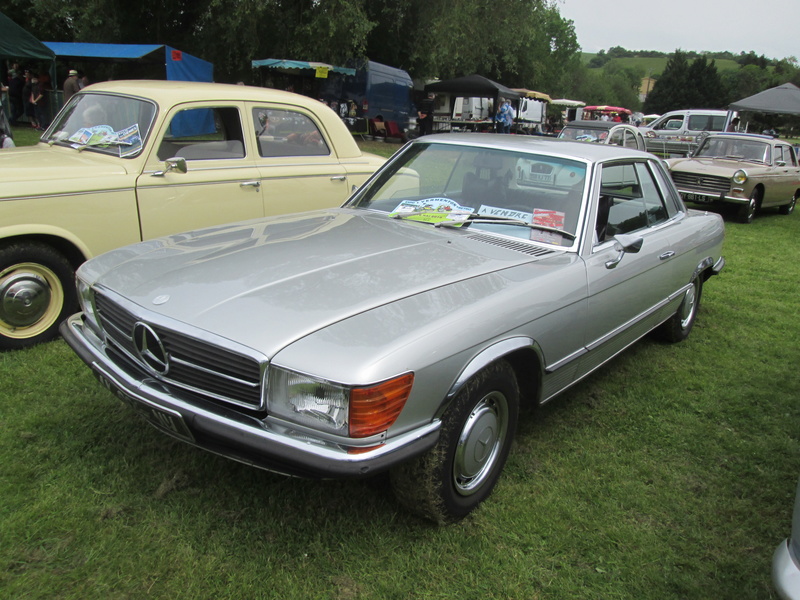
[
  {"x": 277, "y": 63},
  {"x": 180, "y": 66}
]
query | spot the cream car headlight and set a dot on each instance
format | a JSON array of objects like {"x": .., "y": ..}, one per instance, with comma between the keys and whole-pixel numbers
[
  {"x": 86, "y": 300},
  {"x": 739, "y": 177},
  {"x": 341, "y": 410}
]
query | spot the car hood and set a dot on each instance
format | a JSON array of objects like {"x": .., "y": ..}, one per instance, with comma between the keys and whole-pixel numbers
[
  {"x": 709, "y": 166},
  {"x": 269, "y": 282},
  {"x": 33, "y": 167}
]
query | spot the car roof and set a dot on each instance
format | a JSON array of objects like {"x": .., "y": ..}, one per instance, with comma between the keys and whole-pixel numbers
[
  {"x": 537, "y": 144},
  {"x": 588, "y": 124},
  {"x": 167, "y": 92},
  {"x": 745, "y": 136}
]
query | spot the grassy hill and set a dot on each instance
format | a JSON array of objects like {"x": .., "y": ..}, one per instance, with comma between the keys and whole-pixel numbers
[{"x": 655, "y": 66}]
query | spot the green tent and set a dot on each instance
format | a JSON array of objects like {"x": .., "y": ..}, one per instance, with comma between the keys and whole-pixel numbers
[{"x": 16, "y": 43}]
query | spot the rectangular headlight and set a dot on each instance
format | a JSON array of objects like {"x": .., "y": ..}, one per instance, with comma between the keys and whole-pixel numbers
[
  {"x": 86, "y": 301},
  {"x": 308, "y": 401}
]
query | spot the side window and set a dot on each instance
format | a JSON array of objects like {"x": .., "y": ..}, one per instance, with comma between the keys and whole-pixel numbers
[
  {"x": 617, "y": 138},
  {"x": 287, "y": 133},
  {"x": 791, "y": 159},
  {"x": 204, "y": 134},
  {"x": 630, "y": 140},
  {"x": 785, "y": 154},
  {"x": 673, "y": 124},
  {"x": 629, "y": 200},
  {"x": 673, "y": 203}
]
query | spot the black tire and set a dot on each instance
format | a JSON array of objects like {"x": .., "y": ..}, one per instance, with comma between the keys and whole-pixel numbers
[
  {"x": 679, "y": 325},
  {"x": 460, "y": 472},
  {"x": 747, "y": 212},
  {"x": 37, "y": 292},
  {"x": 788, "y": 209}
]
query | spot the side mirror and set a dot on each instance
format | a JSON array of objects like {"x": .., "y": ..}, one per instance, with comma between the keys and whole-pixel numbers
[
  {"x": 176, "y": 163},
  {"x": 624, "y": 243}
]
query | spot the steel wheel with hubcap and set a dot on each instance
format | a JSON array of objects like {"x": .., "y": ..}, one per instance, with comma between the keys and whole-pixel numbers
[
  {"x": 454, "y": 477},
  {"x": 747, "y": 212},
  {"x": 788, "y": 209},
  {"x": 36, "y": 294},
  {"x": 679, "y": 325}
]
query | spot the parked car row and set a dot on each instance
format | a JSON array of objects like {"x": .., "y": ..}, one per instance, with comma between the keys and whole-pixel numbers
[{"x": 230, "y": 301}]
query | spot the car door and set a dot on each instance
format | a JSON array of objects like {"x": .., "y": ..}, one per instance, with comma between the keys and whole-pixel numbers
[
  {"x": 628, "y": 291},
  {"x": 221, "y": 182},
  {"x": 297, "y": 165},
  {"x": 786, "y": 175}
]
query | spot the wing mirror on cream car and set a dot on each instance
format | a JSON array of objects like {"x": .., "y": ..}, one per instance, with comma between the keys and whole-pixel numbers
[{"x": 176, "y": 163}]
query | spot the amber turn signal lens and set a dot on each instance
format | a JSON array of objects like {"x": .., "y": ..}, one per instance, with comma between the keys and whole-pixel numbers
[{"x": 374, "y": 409}]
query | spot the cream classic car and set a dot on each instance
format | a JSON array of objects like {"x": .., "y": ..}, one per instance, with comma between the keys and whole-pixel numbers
[
  {"x": 748, "y": 171},
  {"x": 127, "y": 161}
]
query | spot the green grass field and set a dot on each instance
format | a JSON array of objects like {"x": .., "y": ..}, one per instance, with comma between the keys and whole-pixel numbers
[{"x": 669, "y": 474}]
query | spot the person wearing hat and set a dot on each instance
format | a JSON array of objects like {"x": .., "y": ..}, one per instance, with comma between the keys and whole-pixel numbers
[{"x": 71, "y": 85}]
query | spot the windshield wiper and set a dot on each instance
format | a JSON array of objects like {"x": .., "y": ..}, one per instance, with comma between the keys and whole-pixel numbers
[
  {"x": 476, "y": 218},
  {"x": 103, "y": 143}
]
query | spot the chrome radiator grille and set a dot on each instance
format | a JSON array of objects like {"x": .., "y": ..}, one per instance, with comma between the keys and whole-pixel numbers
[
  {"x": 706, "y": 184},
  {"x": 192, "y": 365}
]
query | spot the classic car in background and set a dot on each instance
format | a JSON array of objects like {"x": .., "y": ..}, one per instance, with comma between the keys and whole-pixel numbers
[
  {"x": 604, "y": 132},
  {"x": 472, "y": 275},
  {"x": 127, "y": 161},
  {"x": 786, "y": 560},
  {"x": 745, "y": 170}
]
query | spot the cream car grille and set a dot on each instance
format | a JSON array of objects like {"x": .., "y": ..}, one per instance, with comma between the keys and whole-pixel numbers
[
  {"x": 707, "y": 184},
  {"x": 194, "y": 366}
]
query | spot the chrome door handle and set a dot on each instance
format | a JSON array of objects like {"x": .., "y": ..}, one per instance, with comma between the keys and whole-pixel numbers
[
  {"x": 256, "y": 184},
  {"x": 666, "y": 255},
  {"x": 338, "y": 178}
]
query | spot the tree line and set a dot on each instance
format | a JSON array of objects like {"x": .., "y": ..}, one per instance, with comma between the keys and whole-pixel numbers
[{"x": 525, "y": 44}]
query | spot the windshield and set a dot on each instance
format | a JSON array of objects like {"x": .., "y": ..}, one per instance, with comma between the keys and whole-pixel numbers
[
  {"x": 738, "y": 149},
  {"x": 531, "y": 196},
  {"x": 104, "y": 123}
]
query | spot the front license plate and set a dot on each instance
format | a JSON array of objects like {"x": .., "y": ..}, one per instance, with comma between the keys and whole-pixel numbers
[
  {"x": 697, "y": 198},
  {"x": 167, "y": 420}
]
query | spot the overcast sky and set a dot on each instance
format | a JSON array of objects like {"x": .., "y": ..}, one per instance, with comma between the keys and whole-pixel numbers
[{"x": 767, "y": 27}]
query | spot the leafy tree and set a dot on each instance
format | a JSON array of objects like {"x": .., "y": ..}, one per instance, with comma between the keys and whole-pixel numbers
[
  {"x": 671, "y": 90},
  {"x": 705, "y": 85},
  {"x": 599, "y": 60}
]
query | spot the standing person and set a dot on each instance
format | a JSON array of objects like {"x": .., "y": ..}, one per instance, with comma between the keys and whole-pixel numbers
[
  {"x": 40, "y": 103},
  {"x": 3, "y": 92},
  {"x": 71, "y": 85},
  {"x": 15, "y": 85},
  {"x": 510, "y": 116},
  {"x": 27, "y": 98},
  {"x": 504, "y": 116},
  {"x": 425, "y": 115}
]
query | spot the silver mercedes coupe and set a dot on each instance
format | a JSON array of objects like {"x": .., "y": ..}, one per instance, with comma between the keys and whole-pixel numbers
[{"x": 472, "y": 275}]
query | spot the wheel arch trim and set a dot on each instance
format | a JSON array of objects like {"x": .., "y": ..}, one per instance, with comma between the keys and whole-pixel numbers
[{"x": 486, "y": 357}]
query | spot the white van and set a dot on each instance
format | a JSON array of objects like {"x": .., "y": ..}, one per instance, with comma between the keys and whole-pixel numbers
[
  {"x": 675, "y": 133},
  {"x": 686, "y": 123}
]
